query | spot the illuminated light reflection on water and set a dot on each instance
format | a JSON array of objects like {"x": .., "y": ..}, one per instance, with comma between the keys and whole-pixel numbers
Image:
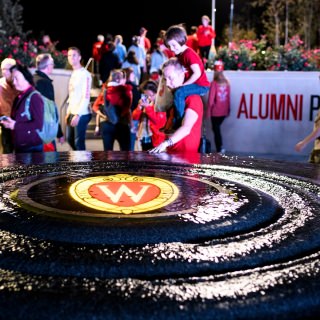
[{"x": 240, "y": 237}]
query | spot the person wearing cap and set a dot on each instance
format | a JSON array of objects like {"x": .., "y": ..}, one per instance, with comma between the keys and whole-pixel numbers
[{"x": 218, "y": 105}]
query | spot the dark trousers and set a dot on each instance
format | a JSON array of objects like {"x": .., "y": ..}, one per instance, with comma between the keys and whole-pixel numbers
[
  {"x": 6, "y": 140},
  {"x": 146, "y": 144},
  {"x": 37, "y": 148},
  {"x": 111, "y": 132},
  {"x": 76, "y": 136},
  {"x": 133, "y": 137},
  {"x": 204, "y": 53},
  {"x": 216, "y": 124}
]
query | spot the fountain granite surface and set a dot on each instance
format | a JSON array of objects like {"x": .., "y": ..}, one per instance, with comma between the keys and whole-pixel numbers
[{"x": 239, "y": 240}]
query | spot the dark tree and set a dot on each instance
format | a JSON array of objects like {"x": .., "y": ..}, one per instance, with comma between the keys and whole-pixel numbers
[{"x": 11, "y": 21}]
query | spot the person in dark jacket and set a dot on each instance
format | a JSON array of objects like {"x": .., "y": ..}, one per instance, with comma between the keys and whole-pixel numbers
[
  {"x": 42, "y": 82},
  {"x": 109, "y": 61},
  {"x": 24, "y": 130}
]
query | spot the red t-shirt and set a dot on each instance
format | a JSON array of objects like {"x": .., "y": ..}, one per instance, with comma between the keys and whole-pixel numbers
[
  {"x": 96, "y": 50},
  {"x": 189, "y": 57},
  {"x": 192, "y": 42},
  {"x": 191, "y": 142},
  {"x": 205, "y": 35}
]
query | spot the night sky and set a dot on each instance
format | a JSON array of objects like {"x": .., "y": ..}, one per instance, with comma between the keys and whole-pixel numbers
[{"x": 80, "y": 25}]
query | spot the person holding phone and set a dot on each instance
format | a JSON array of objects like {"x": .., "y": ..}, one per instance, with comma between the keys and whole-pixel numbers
[
  {"x": 150, "y": 121},
  {"x": 24, "y": 131}
]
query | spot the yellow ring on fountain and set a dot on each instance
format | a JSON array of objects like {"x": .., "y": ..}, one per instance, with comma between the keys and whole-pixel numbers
[{"x": 124, "y": 193}]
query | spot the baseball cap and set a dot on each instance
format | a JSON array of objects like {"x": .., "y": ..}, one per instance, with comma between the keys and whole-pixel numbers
[{"x": 218, "y": 65}]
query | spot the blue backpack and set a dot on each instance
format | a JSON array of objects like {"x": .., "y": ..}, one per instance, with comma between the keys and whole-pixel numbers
[{"x": 49, "y": 131}]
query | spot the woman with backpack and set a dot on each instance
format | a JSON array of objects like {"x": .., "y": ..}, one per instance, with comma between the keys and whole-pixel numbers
[{"x": 24, "y": 130}]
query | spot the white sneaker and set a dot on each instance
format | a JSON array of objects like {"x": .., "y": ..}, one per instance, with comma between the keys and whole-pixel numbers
[{"x": 223, "y": 151}]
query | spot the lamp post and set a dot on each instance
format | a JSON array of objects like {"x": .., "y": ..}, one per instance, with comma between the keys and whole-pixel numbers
[
  {"x": 213, "y": 16},
  {"x": 212, "y": 52},
  {"x": 231, "y": 21}
]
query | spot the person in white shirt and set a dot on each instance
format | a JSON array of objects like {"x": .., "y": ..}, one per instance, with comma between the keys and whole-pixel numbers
[{"x": 79, "y": 111}]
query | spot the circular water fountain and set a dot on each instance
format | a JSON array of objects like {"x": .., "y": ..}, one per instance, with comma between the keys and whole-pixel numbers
[{"x": 131, "y": 235}]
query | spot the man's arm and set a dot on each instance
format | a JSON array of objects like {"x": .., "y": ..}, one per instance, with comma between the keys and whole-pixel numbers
[
  {"x": 188, "y": 122},
  {"x": 311, "y": 137}
]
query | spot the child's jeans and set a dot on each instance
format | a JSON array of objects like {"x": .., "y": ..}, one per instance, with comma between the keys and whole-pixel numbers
[{"x": 182, "y": 93}]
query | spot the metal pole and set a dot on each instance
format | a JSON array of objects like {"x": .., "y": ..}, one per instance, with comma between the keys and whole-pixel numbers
[
  {"x": 287, "y": 23},
  {"x": 213, "y": 16},
  {"x": 231, "y": 20}
]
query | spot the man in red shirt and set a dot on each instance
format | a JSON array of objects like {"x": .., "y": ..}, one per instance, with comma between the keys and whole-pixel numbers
[
  {"x": 96, "y": 51},
  {"x": 186, "y": 138}
]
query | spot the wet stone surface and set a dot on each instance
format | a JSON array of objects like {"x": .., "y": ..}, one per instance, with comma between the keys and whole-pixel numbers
[{"x": 239, "y": 241}]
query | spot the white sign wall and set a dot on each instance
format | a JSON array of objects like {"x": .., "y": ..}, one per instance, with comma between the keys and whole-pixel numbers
[{"x": 270, "y": 111}]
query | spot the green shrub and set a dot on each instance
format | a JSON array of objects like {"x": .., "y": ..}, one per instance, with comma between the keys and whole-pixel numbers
[
  {"x": 258, "y": 55},
  {"x": 25, "y": 52}
]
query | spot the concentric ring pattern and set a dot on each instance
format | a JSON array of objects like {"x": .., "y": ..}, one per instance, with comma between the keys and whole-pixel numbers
[{"x": 239, "y": 242}]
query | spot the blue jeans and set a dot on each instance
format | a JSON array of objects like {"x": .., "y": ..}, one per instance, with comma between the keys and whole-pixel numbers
[
  {"x": 76, "y": 136},
  {"x": 182, "y": 93},
  {"x": 133, "y": 137},
  {"x": 133, "y": 133}
]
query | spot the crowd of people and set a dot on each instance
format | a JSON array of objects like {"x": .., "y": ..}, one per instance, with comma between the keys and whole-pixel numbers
[
  {"x": 129, "y": 80},
  {"x": 132, "y": 81},
  {"x": 147, "y": 64}
]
